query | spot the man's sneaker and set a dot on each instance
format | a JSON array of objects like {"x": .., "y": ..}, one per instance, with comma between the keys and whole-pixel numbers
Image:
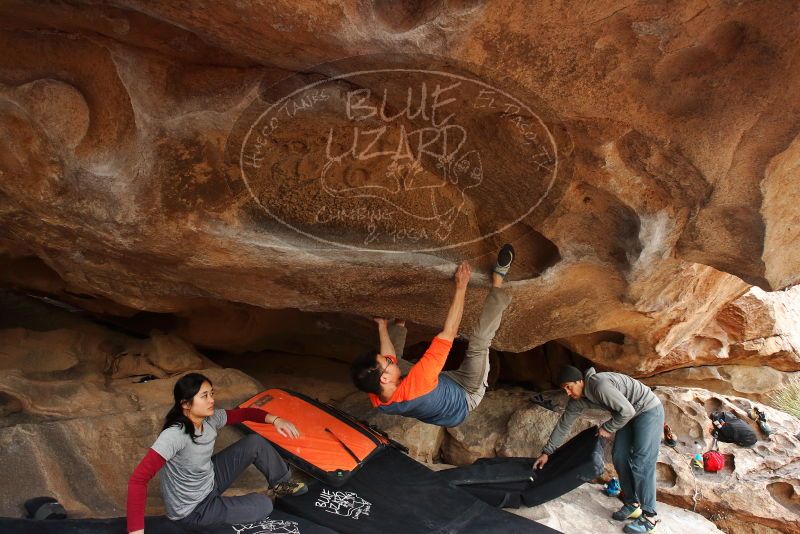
[
  {"x": 504, "y": 260},
  {"x": 629, "y": 511},
  {"x": 289, "y": 489},
  {"x": 643, "y": 525}
]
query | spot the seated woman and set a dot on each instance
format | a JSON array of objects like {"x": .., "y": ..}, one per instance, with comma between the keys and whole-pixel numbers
[{"x": 193, "y": 481}]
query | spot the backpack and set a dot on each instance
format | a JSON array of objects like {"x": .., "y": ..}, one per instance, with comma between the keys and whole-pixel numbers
[
  {"x": 713, "y": 461},
  {"x": 734, "y": 430}
]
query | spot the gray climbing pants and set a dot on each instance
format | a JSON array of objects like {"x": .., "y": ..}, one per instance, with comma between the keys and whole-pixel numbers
[
  {"x": 473, "y": 373},
  {"x": 228, "y": 465}
]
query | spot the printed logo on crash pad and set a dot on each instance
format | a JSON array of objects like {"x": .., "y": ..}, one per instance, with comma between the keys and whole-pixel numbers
[
  {"x": 268, "y": 526},
  {"x": 344, "y": 503}
]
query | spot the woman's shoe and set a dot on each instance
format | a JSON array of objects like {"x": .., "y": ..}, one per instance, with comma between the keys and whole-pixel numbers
[{"x": 289, "y": 489}]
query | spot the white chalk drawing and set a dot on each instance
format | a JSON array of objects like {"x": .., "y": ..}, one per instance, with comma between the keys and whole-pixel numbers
[
  {"x": 401, "y": 170},
  {"x": 268, "y": 526},
  {"x": 343, "y": 503}
]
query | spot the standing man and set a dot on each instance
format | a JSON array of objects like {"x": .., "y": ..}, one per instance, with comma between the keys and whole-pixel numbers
[
  {"x": 424, "y": 391},
  {"x": 637, "y": 418}
]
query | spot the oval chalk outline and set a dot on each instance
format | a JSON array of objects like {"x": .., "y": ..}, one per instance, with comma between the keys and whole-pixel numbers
[{"x": 389, "y": 251}]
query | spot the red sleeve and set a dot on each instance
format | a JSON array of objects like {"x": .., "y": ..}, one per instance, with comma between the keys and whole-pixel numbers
[
  {"x": 424, "y": 376},
  {"x": 137, "y": 488},
  {"x": 240, "y": 415}
]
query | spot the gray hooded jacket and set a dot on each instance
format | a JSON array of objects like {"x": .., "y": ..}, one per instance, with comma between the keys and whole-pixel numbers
[{"x": 620, "y": 394}]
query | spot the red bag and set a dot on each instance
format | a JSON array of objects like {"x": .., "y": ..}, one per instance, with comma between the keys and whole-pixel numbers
[{"x": 713, "y": 461}]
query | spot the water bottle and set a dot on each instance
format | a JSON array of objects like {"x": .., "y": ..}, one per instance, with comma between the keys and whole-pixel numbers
[{"x": 698, "y": 454}]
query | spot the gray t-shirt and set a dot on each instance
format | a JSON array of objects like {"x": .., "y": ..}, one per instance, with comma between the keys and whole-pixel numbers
[{"x": 188, "y": 476}]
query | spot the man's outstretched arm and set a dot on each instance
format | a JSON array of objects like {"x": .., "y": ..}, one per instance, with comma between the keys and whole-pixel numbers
[
  {"x": 451, "y": 324},
  {"x": 387, "y": 348},
  {"x": 424, "y": 376}
]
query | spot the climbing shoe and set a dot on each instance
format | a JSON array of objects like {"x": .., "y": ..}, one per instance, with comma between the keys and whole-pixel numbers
[
  {"x": 289, "y": 489},
  {"x": 642, "y": 525},
  {"x": 629, "y": 511},
  {"x": 761, "y": 419},
  {"x": 504, "y": 260}
]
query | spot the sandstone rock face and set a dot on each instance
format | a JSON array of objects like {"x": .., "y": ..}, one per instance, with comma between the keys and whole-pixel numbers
[
  {"x": 754, "y": 383},
  {"x": 226, "y": 170},
  {"x": 529, "y": 429},
  {"x": 779, "y": 237},
  {"x": 757, "y": 485},
  {"x": 74, "y": 427},
  {"x": 247, "y": 328},
  {"x": 479, "y": 435},
  {"x": 758, "y": 328},
  {"x": 324, "y": 379},
  {"x": 765, "y": 328},
  {"x": 143, "y": 169}
]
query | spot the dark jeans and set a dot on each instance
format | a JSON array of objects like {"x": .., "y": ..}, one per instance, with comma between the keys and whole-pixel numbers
[
  {"x": 635, "y": 453},
  {"x": 228, "y": 465}
]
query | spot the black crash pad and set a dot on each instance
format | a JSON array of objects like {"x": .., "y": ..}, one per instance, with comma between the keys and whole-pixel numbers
[
  {"x": 394, "y": 494},
  {"x": 278, "y": 522},
  {"x": 507, "y": 482}
]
